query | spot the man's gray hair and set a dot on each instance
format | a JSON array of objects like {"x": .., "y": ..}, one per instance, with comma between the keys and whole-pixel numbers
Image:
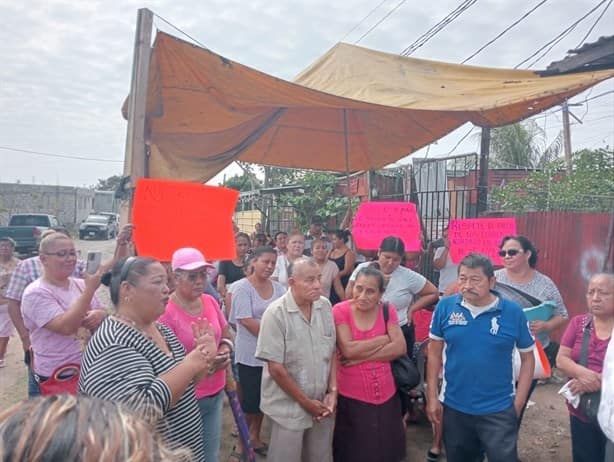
[{"x": 299, "y": 262}]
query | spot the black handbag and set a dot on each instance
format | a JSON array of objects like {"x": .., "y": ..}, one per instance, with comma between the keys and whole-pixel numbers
[
  {"x": 404, "y": 371},
  {"x": 589, "y": 402}
]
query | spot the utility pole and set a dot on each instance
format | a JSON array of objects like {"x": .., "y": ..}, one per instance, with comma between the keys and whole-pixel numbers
[
  {"x": 483, "y": 174},
  {"x": 136, "y": 156},
  {"x": 566, "y": 137}
]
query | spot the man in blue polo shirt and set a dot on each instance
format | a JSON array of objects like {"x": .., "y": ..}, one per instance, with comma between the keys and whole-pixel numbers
[{"x": 476, "y": 332}]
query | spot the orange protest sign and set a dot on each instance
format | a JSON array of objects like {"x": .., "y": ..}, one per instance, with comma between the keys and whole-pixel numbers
[
  {"x": 169, "y": 215},
  {"x": 376, "y": 220},
  {"x": 481, "y": 235}
]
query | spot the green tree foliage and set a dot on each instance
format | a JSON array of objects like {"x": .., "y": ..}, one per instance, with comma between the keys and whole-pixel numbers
[
  {"x": 589, "y": 187},
  {"x": 107, "y": 184},
  {"x": 522, "y": 145},
  {"x": 316, "y": 198},
  {"x": 278, "y": 176},
  {"x": 242, "y": 182}
]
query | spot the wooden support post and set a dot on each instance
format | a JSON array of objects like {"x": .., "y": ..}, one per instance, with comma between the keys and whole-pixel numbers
[
  {"x": 483, "y": 175},
  {"x": 135, "y": 160},
  {"x": 346, "y": 144}
]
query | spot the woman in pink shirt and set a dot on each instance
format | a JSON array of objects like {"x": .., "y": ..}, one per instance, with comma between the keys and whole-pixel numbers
[
  {"x": 367, "y": 425},
  {"x": 58, "y": 310},
  {"x": 186, "y": 305}
]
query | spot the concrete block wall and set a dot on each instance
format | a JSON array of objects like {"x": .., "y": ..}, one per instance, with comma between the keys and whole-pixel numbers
[
  {"x": 105, "y": 201},
  {"x": 71, "y": 205}
]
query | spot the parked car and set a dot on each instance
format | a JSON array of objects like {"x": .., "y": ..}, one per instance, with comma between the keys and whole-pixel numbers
[
  {"x": 26, "y": 230},
  {"x": 98, "y": 226}
]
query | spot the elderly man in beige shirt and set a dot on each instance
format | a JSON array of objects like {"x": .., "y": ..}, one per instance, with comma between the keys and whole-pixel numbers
[{"x": 299, "y": 382}]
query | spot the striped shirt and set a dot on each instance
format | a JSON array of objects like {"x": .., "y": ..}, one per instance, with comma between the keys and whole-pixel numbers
[{"x": 122, "y": 365}]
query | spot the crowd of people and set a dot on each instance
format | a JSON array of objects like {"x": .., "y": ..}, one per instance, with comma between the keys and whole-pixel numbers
[{"x": 312, "y": 332}]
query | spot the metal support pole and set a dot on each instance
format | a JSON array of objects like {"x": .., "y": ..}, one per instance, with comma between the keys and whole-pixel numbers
[
  {"x": 566, "y": 137},
  {"x": 483, "y": 177}
]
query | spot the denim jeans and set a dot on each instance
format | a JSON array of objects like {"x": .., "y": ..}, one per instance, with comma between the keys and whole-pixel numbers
[
  {"x": 587, "y": 441},
  {"x": 33, "y": 387},
  {"x": 467, "y": 437},
  {"x": 210, "y": 408}
]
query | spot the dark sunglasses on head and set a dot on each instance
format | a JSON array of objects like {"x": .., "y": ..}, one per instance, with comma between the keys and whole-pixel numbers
[{"x": 511, "y": 252}]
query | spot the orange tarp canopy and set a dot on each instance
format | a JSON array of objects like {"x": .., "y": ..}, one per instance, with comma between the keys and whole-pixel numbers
[{"x": 205, "y": 111}]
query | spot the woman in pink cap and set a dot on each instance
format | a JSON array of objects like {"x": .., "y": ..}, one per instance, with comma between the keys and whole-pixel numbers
[{"x": 185, "y": 307}]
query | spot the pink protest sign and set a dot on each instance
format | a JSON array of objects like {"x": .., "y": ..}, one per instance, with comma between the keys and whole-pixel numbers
[
  {"x": 481, "y": 235},
  {"x": 376, "y": 220}
]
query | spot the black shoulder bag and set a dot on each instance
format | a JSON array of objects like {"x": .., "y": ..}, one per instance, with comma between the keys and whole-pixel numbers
[
  {"x": 589, "y": 402},
  {"x": 404, "y": 371}
]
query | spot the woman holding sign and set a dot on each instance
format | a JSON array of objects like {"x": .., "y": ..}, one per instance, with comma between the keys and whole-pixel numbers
[
  {"x": 406, "y": 290},
  {"x": 518, "y": 280}
]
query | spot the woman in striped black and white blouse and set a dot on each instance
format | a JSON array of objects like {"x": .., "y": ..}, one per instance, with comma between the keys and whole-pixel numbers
[{"x": 136, "y": 361}]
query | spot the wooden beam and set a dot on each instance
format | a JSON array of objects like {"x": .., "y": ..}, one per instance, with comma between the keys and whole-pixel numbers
[{"x": 135, "y": 159}]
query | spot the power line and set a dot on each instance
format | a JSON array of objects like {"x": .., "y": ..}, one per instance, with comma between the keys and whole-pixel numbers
[
  {"x": 599, "y": 95},
  {"x": 179, "y": 30},
  {"x": 584, "y": 101},
  {"x": 594, "y": 24},
  {"x": 380, "y": 21},
  {"x": 460, "y": 141},
  {"x": 420, "y": 41},
  {"x": 556, "y": 42},
  {"x": 611, "y": 116},
  {"x": 559, "y": 37},
  {"x": 362, "y": 20},
  {"x": 522, "y": 18},
  {"x": 62, "y": 156}
]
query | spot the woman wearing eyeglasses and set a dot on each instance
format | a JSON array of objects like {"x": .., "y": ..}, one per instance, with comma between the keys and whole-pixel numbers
[
  {"x": 134, "y": 360},
  {"x": 186, "y": 306},
  {"x": 58, "y": 309},
  {"x": 520, "y": 281}
]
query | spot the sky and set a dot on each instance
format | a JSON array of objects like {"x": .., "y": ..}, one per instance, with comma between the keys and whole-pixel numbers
[{"x": 66, "y": 65}]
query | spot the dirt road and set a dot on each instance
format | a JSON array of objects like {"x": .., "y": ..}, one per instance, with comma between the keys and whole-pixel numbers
[{"x": 544, "y": 436}]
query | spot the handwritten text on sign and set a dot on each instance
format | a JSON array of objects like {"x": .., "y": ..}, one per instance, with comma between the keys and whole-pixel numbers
[
  {"x": 376, "y": 220},
  {"x": 481, "y": 235},
  {"x": 169, "y": 215}
]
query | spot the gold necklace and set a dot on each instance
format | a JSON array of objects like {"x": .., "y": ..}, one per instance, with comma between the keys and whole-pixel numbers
[
  {"x": 186, "y": 305},
  {"x": 132, "y": 323}
]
